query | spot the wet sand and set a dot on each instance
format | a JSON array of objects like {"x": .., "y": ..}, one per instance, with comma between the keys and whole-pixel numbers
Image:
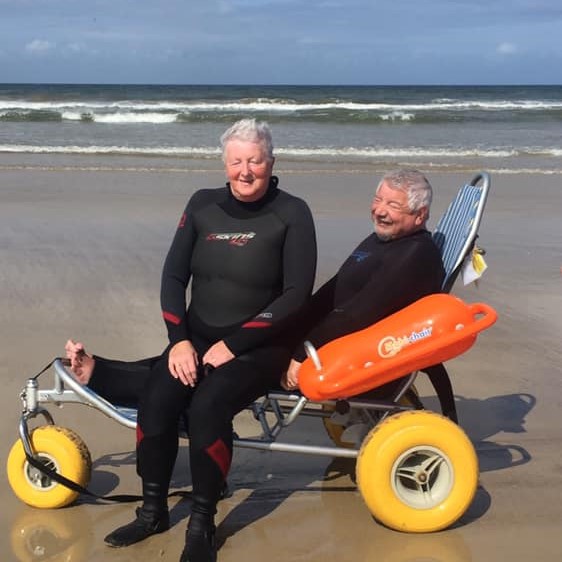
[{"x": 81, "y": 252}]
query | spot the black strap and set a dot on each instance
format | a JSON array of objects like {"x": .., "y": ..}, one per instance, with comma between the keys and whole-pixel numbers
[
  {"x": 60, "y": 479},
  {"x": 43, "y": 369},
  {"x": 121, "y": 498},
  {"x": 442, "y": 384}
]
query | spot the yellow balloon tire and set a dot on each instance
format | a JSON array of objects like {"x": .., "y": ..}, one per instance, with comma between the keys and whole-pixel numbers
[
  {"x": 59, "y": 448},
  {"x": 335, "y": 431},
  {"x": 417, "y": 472}
]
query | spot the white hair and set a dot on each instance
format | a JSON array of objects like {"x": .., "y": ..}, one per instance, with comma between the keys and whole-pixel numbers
[
  {"x": 252, "y": 131},
  {"x": 413, "y": 183}
]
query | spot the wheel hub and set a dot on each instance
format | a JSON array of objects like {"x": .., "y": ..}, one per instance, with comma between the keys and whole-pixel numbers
[
  {"x": 39, "y": 479},
  {"x": 422, "y": 477}
]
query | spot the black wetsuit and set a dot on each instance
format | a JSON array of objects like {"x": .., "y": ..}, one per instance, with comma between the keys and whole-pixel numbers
[
  {"x": 377, "y": 279},
  {"x": 251, "y": 267}
]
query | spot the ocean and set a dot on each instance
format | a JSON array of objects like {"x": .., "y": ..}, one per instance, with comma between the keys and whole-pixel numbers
[{"x": 507, "y": 129}]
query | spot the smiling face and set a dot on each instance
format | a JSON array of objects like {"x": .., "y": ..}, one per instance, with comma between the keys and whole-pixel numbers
[
  {"x": 248, "y": 169},
  {"x": 392, "y": 216}
]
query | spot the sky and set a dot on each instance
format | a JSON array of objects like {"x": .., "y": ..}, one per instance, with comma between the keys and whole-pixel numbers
[{"x": 281, "y": 41}]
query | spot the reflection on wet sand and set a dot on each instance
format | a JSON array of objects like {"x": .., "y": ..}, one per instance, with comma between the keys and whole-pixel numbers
[
  {"x": 333, "y": 525},
  {"x": 58, "y": 535},
  {"x": 317, "y": 527},
  {"x": 323, "y": 520}
]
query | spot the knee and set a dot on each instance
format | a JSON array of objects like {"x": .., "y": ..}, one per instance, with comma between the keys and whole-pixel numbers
[
  {"x": 204, "y": 413},
  {"x": 156, "y": 417},
  {"x": 208, "y": 416}
]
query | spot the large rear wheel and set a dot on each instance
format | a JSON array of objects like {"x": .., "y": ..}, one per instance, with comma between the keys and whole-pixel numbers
[
  {"x": 59, "y": 449},
  {"x": 417, "y": 472}
]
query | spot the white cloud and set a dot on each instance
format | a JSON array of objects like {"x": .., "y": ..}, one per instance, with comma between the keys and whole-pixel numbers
[
  {"x": 506, "y": 48},
  {"x": 78, "y": 49},
  {"x": 75, "y": 47},
  {"x": 38, "y": 46}
]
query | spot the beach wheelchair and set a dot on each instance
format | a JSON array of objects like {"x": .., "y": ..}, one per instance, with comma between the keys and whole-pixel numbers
[{"x": 417, "y": 470}]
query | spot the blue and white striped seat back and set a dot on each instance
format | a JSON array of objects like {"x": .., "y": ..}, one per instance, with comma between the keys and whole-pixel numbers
[{"x": 456, "y": 231}]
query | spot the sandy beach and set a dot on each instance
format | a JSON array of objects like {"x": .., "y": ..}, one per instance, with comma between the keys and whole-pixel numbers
[{"x": 81, "y": 249}]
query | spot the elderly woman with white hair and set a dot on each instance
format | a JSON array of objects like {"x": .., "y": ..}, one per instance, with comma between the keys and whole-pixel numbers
[{"x": 249, "y": 251}]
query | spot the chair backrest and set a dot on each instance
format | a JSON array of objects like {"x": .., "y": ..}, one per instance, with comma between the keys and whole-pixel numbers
[{"x": 457, "y": 230}]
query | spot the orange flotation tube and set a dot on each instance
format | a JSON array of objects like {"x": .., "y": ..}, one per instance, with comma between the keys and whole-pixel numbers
[{"x": 432, "y": 330}]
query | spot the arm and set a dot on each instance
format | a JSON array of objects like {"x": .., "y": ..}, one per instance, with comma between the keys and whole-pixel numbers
[
  {"x": 175, "y": 278},
  {"x": 406, "y": 271},
  {"x": 182, "y": 359},
  {"x": 316, "y": 310}
]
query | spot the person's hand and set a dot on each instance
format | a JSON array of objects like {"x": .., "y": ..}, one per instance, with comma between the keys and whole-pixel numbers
[
  {"x": 290, "y": 380},
  {"x": 81, "y": 364},
  {"x": 218, "y": 354},
  {"x": 182, "y": 362}
]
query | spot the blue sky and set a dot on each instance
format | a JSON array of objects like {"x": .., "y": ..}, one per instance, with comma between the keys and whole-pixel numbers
[{"x": 282, "y": 41}]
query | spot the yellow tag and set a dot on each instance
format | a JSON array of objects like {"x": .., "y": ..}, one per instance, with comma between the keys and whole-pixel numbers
[
  {"x": 478, "y": 262},
  {"x": 473, "y": 267}
]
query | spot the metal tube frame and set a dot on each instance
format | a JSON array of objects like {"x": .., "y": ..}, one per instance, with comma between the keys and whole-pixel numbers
[{"x": 276, "y": 411}]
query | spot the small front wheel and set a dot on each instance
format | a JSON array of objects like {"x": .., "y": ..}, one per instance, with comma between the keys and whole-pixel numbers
[
  {"x": 59, "y": 449},
  {"x": 417, "y": 472}
]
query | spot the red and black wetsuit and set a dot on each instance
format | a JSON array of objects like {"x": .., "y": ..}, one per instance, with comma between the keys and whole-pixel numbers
[{"x": 251, "y": 268}]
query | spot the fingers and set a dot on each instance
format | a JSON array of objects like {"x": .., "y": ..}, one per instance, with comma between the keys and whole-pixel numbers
[
  {"x": 184, "y": 371},
  {"x": 189, "y": 378},
  {"x": 218, "y": 354},
  {"x": 182, "y": 363},
  {"x": 288, "y": 382},
  {"x": 292, "y": 375},
  {"x": 292, "y": 381}
]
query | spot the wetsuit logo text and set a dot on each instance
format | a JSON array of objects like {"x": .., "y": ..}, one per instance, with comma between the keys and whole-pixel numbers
[
  {"x": 232, "y": 238},
  {"x": 360, "y": 255}
]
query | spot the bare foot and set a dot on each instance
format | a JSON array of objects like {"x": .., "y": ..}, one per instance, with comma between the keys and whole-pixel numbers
[{"x": 81, "y": 364}]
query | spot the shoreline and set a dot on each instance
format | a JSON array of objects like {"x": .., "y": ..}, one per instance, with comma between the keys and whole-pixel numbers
[{"x": 57, "y": 162}]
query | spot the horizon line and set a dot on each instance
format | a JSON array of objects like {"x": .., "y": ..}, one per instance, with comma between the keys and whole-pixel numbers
[{"x": 285, "y": 85}]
